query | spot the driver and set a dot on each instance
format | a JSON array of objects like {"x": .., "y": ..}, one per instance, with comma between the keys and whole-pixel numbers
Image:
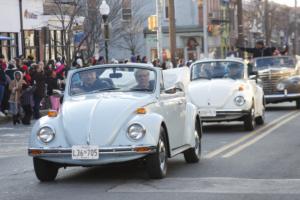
[
  {"x": 142, "y": 77},
  {"x": 234, "y": 71},
  {"x": 90, "y": 81}
]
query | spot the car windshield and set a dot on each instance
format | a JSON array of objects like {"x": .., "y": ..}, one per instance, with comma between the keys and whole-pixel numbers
[
  {"x": 113, "y": 79},
  {"x": 274, "y": 62},
  {"x": 218, "y": 69}
]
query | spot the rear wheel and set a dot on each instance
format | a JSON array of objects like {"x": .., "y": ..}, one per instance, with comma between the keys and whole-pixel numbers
[
  {"x": 192, "y": 155},
  {"x": 249, "y": 120},
  {"x": 298, "y": 103},
  {"x": 157, "y": 162},
  {"x": 44, "y": 170}
]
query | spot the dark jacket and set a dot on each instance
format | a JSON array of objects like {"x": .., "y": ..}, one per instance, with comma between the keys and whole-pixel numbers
[
  {"x": 52, "y": 84},
  {"x": 27, "y": 95},
  {"x": 39, "y": 78},
  {"x": 10, "y": 73},
  {"x": 257, "y": 52},
  {"x": 2, "y": 77}
]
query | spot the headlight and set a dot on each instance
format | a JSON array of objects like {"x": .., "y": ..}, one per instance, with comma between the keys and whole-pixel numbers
[
  {"x": 239, "y": 100},
  {"x": 136, "y": 132},
  {"x": 280, "y": 86},
  {"x": 46, "y": 134}
]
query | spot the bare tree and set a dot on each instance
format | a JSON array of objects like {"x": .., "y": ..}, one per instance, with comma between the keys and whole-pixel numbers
[
  {"x": 127, "y": 34},
  {"x": 67, "y": 13}
]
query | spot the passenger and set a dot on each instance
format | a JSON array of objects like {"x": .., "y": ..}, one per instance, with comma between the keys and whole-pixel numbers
[
  {"x": 142, "y": 77},
  {"x": 234, "y": 71}
]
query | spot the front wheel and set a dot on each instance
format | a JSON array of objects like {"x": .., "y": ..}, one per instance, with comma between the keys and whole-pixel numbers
[
  {"x": 249, "y": 120},
  {"x": 298, "y": 103},
  {"x": 157, "y": 162},
  {"x": 261, "y": 119},
  {"x": 44, "y": 170},
  {"x": 192, "y": 155}
]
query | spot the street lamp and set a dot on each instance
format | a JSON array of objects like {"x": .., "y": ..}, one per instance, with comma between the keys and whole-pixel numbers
[{"x": 104, "y": 11}]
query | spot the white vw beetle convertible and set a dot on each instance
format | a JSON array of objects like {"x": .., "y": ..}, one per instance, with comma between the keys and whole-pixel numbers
[
  {"x": 117, "y": 113},
  {"x": 223, "y": 91}
]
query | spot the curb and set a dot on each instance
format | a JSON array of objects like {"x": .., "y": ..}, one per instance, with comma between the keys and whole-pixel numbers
[{"x": 8, "y": 118}]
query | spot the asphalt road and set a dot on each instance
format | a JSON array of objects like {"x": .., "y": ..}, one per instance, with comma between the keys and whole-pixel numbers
[{"x": 262, "y": 164}]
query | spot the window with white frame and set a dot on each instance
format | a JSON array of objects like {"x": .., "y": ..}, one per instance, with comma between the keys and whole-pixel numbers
[
  {"x": 166, "y": 9},
  {"x": 126, "y": 10}
]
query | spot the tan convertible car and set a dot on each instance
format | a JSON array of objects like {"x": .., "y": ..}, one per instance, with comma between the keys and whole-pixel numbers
[{"x": 280, "y": 78}]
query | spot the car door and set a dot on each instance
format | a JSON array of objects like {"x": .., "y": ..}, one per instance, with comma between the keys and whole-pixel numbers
[{"x": 172, "y": 106}]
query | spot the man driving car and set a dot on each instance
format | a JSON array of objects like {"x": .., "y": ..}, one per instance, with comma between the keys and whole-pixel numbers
[{"x": 90, "y": 82}]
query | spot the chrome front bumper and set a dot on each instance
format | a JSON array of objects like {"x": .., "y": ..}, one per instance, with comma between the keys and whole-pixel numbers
[
  {"x": 281, "y": 97},
  {"x": 226, "y": 115},
  {"x": 56, "y": 152}
]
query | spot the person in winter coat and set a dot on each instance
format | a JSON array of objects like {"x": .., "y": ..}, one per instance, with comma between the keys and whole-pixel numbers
[
  {"x": 26, "y": 101},
  {"x": 26, "y": 73},
  {"x": 15, "y": 88},
  {"x": 260, "y": 50},
  {"x": 39, "y": 80},
  {"x": 2, "y": 89},
  {"x": 52, "y": 84}
]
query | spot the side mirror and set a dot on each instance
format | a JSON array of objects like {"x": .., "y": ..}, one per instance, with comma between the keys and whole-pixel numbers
[{"x": 171, "y": 90}]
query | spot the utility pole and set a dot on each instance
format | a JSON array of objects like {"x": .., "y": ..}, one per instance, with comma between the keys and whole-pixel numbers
[
  {"x": 159, "y": 28},
  {"x": 296, "y": 27},
  {"x": 267, "y": 31},
  {"x": 205, "y": 31},
  {"x": 240, "y": 41},
  {"x": 172, "y": 32}
]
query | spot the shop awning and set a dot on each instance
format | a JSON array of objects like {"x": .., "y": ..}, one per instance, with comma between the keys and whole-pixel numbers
[{"x": 5, "y": 38}]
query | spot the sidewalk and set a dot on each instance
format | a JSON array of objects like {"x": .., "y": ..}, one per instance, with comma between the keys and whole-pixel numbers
[{"x": 8, "y": 118}]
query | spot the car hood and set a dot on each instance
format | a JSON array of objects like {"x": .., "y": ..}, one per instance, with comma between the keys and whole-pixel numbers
[
  {"x": 213, "y": 93},
  {"x": 97, "y": 119},
  {"x": 277, "y": 71}
]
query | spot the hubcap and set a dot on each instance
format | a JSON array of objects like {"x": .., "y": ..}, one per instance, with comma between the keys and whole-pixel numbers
[
  {"x": 253, "y": 116},
  {"x": 162, "y": 155}
]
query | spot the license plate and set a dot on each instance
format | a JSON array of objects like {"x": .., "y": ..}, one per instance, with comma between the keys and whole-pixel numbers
[
  {"x": 208, "y": 112},
  {"x": 84, "y": 152}
]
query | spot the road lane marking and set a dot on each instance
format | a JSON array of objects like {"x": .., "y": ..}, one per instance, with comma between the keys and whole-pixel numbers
[
  {"x": 213, "y": 185},
  {"x": 259, "y": 137},
  {"x": 246, "y": 137}
]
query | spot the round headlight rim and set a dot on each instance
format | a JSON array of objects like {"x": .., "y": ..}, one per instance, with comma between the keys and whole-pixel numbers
[
  {"x": 49, "y": 127},
  {"x": 143, "y": 131},
  {"x": 280, "y": 88},
  {"x": 241, "y": 97}
]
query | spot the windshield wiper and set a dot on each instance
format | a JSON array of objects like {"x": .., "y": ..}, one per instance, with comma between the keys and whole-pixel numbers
[
  {"x": 141, "y": 90},
  {"x": 103, "y": 90},
  {"x": 201, "y": 77}
]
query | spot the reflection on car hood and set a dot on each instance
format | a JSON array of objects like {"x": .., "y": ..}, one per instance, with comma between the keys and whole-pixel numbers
[
  {"x": 213, "y": 93},
  {"x": 97, "y": 119}
]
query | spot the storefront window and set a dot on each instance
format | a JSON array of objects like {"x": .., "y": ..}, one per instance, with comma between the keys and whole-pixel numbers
[{"x": 8, "y": 48}]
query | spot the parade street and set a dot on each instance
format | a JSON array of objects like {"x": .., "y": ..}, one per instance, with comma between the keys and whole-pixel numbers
[{"x": 262, "y": 164}]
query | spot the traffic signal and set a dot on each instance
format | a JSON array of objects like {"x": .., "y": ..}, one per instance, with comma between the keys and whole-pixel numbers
[{"x": 152, "y": 22}]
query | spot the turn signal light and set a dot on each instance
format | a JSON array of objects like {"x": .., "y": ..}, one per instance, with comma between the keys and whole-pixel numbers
[
  {"x": 241, "y": 88},
  {"x": 35, "y": 152},
  {"x": 142, "y": 149},
  {"x": 52, "y": 113},
  {"x": 141, "y": 111}
]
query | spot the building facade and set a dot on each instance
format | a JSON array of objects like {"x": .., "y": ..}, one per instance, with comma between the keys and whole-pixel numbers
[{"x": 189, "y": 29}]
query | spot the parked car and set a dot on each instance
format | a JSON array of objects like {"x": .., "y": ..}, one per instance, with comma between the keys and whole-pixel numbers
[
  {"x": 223, "y": 91},
  {"x": 117, "y": 113},
  {"x": 280, "y": 78}
]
